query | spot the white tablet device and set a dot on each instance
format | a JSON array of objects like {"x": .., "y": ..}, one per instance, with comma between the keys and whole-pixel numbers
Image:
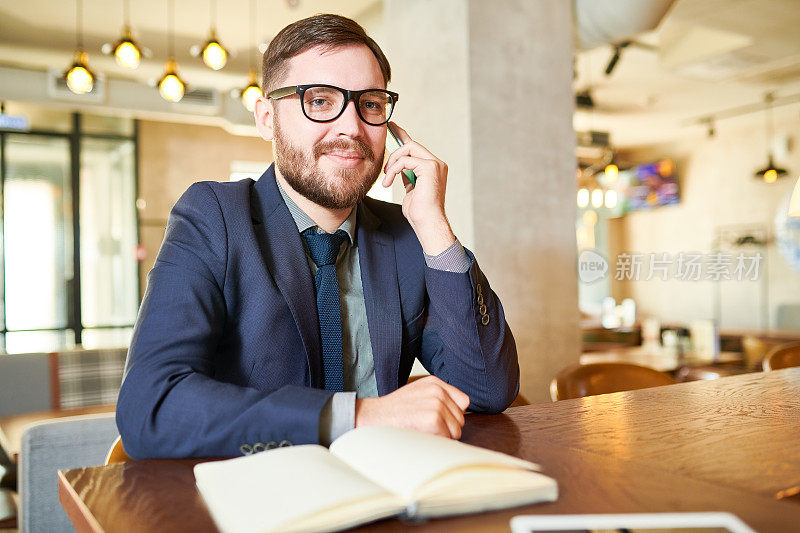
[{"x": 631, "y": 523}]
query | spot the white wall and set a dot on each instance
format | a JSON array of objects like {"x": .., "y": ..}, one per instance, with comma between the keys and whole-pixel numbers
[{"x": 717, "y": 189}]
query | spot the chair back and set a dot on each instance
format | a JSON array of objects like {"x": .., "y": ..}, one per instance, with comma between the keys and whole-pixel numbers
[
  {"x": 755, "y": 349},
  {"x": 54, "y": 445},
  {"x": 88, "y": 377},
  {"x": 25, "y": 383},
  {"x": 578, "y": 381},
  {"x": 117, "y": 453},
  {"x": 784, "y": 356}
]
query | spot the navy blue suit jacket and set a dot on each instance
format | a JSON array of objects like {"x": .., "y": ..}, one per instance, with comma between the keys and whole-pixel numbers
[{"x": 226, "y": 349}]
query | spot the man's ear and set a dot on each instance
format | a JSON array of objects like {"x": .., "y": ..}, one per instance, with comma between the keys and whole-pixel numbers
[{"x": 264, "y": 115}]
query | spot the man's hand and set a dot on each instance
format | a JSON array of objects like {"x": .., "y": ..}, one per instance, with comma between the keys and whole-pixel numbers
[
  {"x": 423, "y": 205},
  {"x": 428, "y": 404}
]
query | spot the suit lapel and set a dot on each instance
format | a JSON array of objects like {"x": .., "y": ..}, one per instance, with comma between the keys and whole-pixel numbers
[
  {"x": 382, "y": 298},
  {"x": 286, "y": 260}
]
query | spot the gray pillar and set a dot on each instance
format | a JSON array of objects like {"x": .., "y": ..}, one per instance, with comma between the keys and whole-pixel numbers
[{"x": 487, "y": 87}]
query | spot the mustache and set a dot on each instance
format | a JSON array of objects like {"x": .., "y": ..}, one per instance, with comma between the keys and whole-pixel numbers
[{"x": 355, "y": 145}]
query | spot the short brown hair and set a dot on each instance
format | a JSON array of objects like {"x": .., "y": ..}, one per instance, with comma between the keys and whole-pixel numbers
[{"x": 328, "y": 30}]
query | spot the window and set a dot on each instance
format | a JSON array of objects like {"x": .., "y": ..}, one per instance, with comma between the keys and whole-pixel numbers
[{"x": 69, "y": 235}]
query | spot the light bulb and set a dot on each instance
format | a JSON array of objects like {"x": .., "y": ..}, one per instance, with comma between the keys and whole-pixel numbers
[
  {"x": 597, "y": 198},
  {"x": 611, "y": 172},
  {"x": 127, "y": 54},
  {"x": 80, "y": 79},
  {"x": 252, "y": 92},
  {"x": 611, "y": 199},
  {"x": 770, "y": 176},
  {"x": 250, "y": 95},
  {"x": 171, "y": 86},
  {"x": 583, "y": 197},
  {"x": 214, "y": 55}
]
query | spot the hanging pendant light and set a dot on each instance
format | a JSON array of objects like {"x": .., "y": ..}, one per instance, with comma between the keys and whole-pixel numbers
[
  {"x": 771, "y": 172},
  {"x": 171, "y": 86},
  {"x": 252, "y": 91},
  {"x": 215, "y": 56},
  {"x": 126, "y": 52},
  {"x": 80, "y": 79}
]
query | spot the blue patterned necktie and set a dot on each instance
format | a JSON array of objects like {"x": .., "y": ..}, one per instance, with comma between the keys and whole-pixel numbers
[{"x": 324, "y": 248}]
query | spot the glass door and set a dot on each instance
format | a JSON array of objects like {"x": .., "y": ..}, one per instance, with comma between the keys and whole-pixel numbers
[{"x": 37, "y": 242}]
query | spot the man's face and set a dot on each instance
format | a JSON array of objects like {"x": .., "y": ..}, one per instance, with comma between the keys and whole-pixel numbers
[{"x": 333, "y": 164}]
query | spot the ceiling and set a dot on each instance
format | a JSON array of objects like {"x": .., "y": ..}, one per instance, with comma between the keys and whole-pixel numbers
[
  {"x": 705, "y": 57},
  {"x": 42, "y": 33}
]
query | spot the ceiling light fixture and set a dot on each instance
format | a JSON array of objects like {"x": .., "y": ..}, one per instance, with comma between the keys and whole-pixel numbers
[
  {"x": 80, "y": 79},
  {"x": 252, "y": 91},
  {"x": 171, "y": 86},
  {"x": 126, "y": 52},
  {"x": 214, "y": 54},
  {"x": 770, "y": 173}
]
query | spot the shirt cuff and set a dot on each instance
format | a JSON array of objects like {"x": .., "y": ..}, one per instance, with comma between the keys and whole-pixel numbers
[
  {"x": 337, "y": 417},
  {"x": 454, "y": 259}
]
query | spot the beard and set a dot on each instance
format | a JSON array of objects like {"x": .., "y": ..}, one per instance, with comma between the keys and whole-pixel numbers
[{"x": 336, "y": 189}]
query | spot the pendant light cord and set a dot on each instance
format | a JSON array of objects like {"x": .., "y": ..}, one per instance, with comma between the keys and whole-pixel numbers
[
  {"x": 79, "y": 25},
  {"x": 768, "y": 99},
  {"x": 253, "y": 11},
  {"x": 171, "y": 36},
  {"x": 126, "y": 12}
]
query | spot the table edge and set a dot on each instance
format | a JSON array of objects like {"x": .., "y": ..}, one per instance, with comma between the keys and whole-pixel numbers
[{"x": 80, "y": 516}]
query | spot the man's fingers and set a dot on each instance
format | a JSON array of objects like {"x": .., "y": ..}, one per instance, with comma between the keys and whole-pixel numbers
[
  {"x": 412, "y": 149},
  {"x": 454, "y": 408},
  {"x": 452, "y": 424},
  {"x": 460, "y": 399}
]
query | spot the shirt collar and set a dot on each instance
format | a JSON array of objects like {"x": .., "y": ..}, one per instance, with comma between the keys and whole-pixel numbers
[{"x": 303, "y": 221}]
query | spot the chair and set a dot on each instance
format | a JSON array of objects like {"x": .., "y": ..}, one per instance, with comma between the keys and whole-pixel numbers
[
  {"x": 783, "y": 356},
  {"x": 117, "y": 453},
  {"x": 578, "y": 381},
  {"x": 54, "y": 445},
  {"x": 25, "y": 383},
  {"x": 755, "y": 350}
]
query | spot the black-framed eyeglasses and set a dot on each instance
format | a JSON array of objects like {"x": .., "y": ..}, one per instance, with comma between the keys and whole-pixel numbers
[{"x": 326, "y": 103}]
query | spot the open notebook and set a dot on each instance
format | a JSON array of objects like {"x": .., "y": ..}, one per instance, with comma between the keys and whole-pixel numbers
[{"x": 367, "y": 474}]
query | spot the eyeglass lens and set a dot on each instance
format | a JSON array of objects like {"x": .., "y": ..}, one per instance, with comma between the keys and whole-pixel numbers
[{"x": 324, "y": 103}]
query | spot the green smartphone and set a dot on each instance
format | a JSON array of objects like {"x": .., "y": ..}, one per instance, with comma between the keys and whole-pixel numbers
[{"x": 409, "y": 174}]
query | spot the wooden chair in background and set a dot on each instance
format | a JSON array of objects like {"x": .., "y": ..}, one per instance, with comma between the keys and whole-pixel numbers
[
  {"x": 783, "y": 356},
  {"x": 578, "y": 381},
  {"x": 116, "y": 454},
  {"x": 755, "y": 350}
]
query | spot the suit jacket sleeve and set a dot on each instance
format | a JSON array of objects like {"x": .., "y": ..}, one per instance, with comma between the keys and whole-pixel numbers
[
  {"x": 467, "y": 345},
  {"x": 170, "y": 404}
]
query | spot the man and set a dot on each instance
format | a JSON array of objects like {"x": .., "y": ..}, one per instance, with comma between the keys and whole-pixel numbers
[{"x": 290, "y": 309}]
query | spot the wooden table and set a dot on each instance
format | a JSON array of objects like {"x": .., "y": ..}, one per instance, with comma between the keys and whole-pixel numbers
[
  {"x": 656, "y": 358},
  {"x": 722, "y": 445},
  {"x": 12, "y": 427}
]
